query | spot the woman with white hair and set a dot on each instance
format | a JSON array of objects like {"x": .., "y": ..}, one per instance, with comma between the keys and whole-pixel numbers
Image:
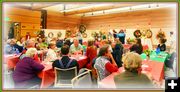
[
  {"x": 132, "y": 77},
  {"x": 25, "y": 73}
]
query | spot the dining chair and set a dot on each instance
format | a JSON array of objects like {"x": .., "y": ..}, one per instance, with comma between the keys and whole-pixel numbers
[
  {"x": 63, "y": 77},
  {"x": 83, "y": 80}
]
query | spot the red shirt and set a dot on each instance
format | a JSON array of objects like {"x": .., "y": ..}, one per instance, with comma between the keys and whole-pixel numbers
[{"x": 91, "y": 53}]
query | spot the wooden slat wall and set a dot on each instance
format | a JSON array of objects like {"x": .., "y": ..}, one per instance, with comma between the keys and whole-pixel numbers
[
  {"x": 30, "y": 20},
  {"x": 59, "y": 21},
  {"x": 164, "y": 18},
  {"x": 159, "y": 18}
]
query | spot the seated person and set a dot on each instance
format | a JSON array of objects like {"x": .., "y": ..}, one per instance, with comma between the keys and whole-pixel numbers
[
  {"x": 29, "y": 44},
  {"x": 76, "y": 48},
  {"x": 25, "y": 73},
  {"x": 132, "y": 77},
  {"x": 137, "y": 47},
  {"x": 21, "y": 42},
  {"x": 65, "y": 62},
  {"x": 170, "y": 69},
  {"x": 9, "y": 47},
  {"x": 103, "y": 64},
  {"x": 51, "y": 53},
  {"x": 91, "y": 53},
  {"x": 162, "y": 45}
]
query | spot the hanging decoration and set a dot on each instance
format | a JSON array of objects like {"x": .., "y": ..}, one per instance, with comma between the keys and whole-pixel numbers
[
  {"x": 84, "y": 35},
  {"x": 50, "y": 35},
  {"x": 82, "y": 28},
  {"x": 59, "y": 34},
  {"x": 137, "y": 33},
  {"x": 68, "y": 33},
  {"x": 160, "y": 34},
  {"x": 149, "y": 33}
]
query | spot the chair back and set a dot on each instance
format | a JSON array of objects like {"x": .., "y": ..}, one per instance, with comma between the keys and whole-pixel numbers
[
  {"x": 63, "y": 77},
  {"x": 83, "y": 80}
]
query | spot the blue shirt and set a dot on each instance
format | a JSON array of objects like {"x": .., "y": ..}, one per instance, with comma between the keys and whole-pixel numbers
[{"x": 10, "y": 49}]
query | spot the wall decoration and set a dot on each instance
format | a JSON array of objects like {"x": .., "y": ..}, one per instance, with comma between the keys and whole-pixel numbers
[
  {"x": 50, "y": 35},
  {"x": 68, "y": 33},
  {"x": 84, "y": 35},
  {"x": 59, "y": 34},
  {"x": 82, "y": 28},
  {"x": 160, "y": 34},
  {"x": 146, "y": 33},
  {"x": 137, "y": 33},
  {"x": 149, "y": 33}
]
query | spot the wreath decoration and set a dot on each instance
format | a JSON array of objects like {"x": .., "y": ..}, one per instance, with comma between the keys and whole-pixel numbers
[
  {"x": 84, "y": 35},
  {"x": 50, "y": 34},
  {"x": 160, "y": 35},
  {"x": 82, "y": 28},
  {"x": 68, "y": 33},
  {"x": 59, "y": 34},
  {"x": 149, "y": 33},
  {"x": 143, "y": 33},
  {"x": 137, "y": 33}
]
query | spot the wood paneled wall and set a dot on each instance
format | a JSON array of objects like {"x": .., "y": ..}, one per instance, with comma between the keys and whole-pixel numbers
[
  {"x": 159, "y": 18},
  {"x": 59, "y": 21},
  {"x": 162, "y": 18},
  {"x": 29, "y": 19}
]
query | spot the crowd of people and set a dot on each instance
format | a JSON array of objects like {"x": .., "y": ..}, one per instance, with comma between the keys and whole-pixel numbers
[{"x": 105, "y": 56}]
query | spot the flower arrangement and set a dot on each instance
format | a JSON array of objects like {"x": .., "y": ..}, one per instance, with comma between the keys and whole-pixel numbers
[{"x": 147, "y": 52}]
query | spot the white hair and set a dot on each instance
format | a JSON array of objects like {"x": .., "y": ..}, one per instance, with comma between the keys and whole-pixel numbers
[{"x": 30, "y": 52}]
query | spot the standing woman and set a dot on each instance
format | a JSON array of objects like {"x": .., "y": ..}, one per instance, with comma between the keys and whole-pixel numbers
[
  {"x": 25, "y": 73},
  {"x": 117, "y": 48},
  {"x": 137, "y": 47},
  {"x": 91, "y": 52}
]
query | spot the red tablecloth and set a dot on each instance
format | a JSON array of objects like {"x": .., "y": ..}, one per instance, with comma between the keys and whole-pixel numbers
[
  {"x": 48, "y": 75},
  {"x": 127, "y": 46},
  {"x": 11, "y": 60},
  {"x": 155, "y": 68}
]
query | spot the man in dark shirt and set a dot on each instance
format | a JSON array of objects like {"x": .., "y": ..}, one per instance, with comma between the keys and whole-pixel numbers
[{"x": 65, "y": 62}]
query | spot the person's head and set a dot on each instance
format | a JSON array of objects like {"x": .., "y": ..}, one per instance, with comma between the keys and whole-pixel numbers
[
  {"x": 132, "y": 61},
  {"x": 121, "y": 31},
  {"x": 39, "y": 40},
  {"x": 104, "y": 51},
  {"x": 30, "y": 43},
  {"x": 22, "y": 39},
  {"x": 67, "y": 42},
  {"x": 65, "y": 50},
  {"x": 90, "y": 42},
  {"x": 12, "y": 42},
  {"x": 76, "y": 42},
  {"x": 162, "y": 41},
  {"x": 52, "y": 45},
  {"x": 31, "y": 52}
]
